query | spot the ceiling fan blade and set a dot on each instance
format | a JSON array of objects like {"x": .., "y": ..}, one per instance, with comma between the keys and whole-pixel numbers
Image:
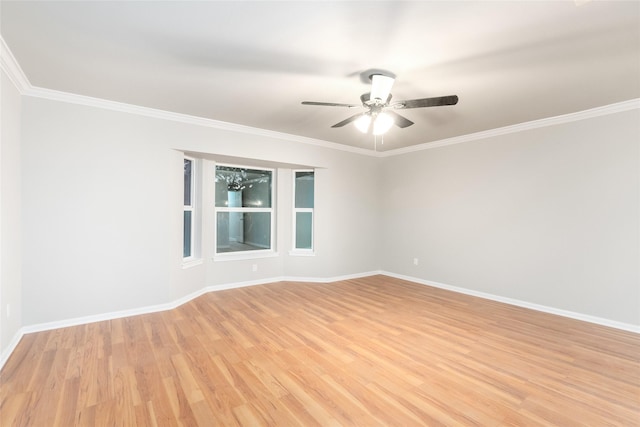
[
  {"x": 427, "y": 102},
  {"x": 329, "y": 104},
  {"x": 399, "y": 120},
  {"x": 346, "y": 121}
]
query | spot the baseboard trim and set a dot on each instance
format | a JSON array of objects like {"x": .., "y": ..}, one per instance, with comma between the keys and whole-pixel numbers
[
  {"x": 4, "y": 356},
  {"x": 41, "y": 327},
  {"x": 330, "y": 279},
  {"x": 519, "y": 303}
]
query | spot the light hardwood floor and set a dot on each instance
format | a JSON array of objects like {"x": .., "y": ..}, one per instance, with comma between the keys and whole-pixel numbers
[{"x": 365, "y": 352}]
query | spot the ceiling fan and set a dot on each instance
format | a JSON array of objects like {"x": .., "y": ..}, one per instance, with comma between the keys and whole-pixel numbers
[{"x": 380, "y": 114}]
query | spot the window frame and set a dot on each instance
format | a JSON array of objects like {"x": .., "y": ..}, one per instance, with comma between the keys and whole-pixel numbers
[
  {"x": 248, "y": 254},
  {"x": 295, "y": 251},
  {"x": 190, "y": 208}
]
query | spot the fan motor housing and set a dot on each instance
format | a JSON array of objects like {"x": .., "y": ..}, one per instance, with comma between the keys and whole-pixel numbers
[{"x": 365, "y": 98}]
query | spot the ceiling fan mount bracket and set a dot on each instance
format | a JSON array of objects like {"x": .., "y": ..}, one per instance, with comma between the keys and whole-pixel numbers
[{"x": 367, "y": 75}]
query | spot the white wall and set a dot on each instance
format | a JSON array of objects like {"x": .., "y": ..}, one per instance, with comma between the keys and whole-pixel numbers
[
  {"x": 95, "y": 211},
  {"x": 10, "y": 211},
  {"x": 547, "y": 216},
  {"x": 102, "y": 214}
]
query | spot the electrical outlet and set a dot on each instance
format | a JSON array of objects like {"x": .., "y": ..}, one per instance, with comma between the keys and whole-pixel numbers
[
  {"x": 415, "y": 261},
  {"x": 254, "y": 267},
  {"x": 8, "y": 310}
]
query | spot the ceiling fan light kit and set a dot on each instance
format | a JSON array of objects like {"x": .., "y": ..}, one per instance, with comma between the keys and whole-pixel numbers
[
  {"x": 380, "y": 116},
  {"x": 363, "y": 122},
  {"x": 382, "y": 123}
]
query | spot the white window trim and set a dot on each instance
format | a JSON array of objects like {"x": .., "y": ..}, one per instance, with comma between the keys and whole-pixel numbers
[
  {"x": 191, "y": 262},
  {"x": 301, "y": 251},
  {"x": 258, "y": 253},
  {"x": 236, "y": 256},
  {"x": 186, "y": 261}
]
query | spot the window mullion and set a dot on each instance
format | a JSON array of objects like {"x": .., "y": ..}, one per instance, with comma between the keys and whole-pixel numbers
[{"x": 244, "y": 209}]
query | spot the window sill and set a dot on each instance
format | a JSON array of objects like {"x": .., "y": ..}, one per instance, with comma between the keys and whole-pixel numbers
[
  {"x": 188, "y": 263},
  {"x": 235, "y": 256},
  {"x": 300, "y": 252}
]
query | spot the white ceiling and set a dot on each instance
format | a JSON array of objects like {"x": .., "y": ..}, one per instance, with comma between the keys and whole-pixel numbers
[{"x": 252, "y": 63}]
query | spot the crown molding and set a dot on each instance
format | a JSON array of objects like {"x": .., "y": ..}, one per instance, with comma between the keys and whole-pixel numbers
[
  {"x": 73, "y": 98},
  {"x": 13, "y": 70},
  {"x": 632, "y": 104}
]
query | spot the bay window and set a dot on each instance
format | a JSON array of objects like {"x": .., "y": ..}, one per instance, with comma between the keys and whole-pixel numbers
[{"x": 244, "y": 209}]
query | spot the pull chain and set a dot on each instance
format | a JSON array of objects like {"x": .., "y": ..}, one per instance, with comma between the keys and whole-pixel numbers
[{"x": 375, "y": 141}]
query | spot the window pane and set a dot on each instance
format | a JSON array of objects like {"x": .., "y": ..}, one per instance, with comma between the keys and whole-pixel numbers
[
  {"x": 257, "y": 194},
  {"x": 304, "y": 189},
  {"x": 222, "y": 194},
  {"x": 187, "y": 182},
  {"x": 186, "y": 235},
  {"x": 304, "y": 230},
  {"x": 222, "y": 232},
  {"x": 243, "y": 231},
  {"x": 252, "y": 187}
]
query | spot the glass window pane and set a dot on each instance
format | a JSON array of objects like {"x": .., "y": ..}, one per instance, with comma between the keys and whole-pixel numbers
[
  {"x": 222, "y": 194},
  {"x": 304, "y": 230},
  {"x": 186, "y": 235},
  {"x": 252, "y": 187},
  {"x": 222, "y": 232},
  {"x": 304, "y": 190},
  {"x": 257, "y": 229},
  {"x": 243, "y": 231},
  {"x": 257, "y": 194},
  {"x": 187, "y": 182}
]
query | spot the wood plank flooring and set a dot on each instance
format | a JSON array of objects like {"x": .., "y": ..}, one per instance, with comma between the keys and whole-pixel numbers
[{"x": 376, "y": 351}]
